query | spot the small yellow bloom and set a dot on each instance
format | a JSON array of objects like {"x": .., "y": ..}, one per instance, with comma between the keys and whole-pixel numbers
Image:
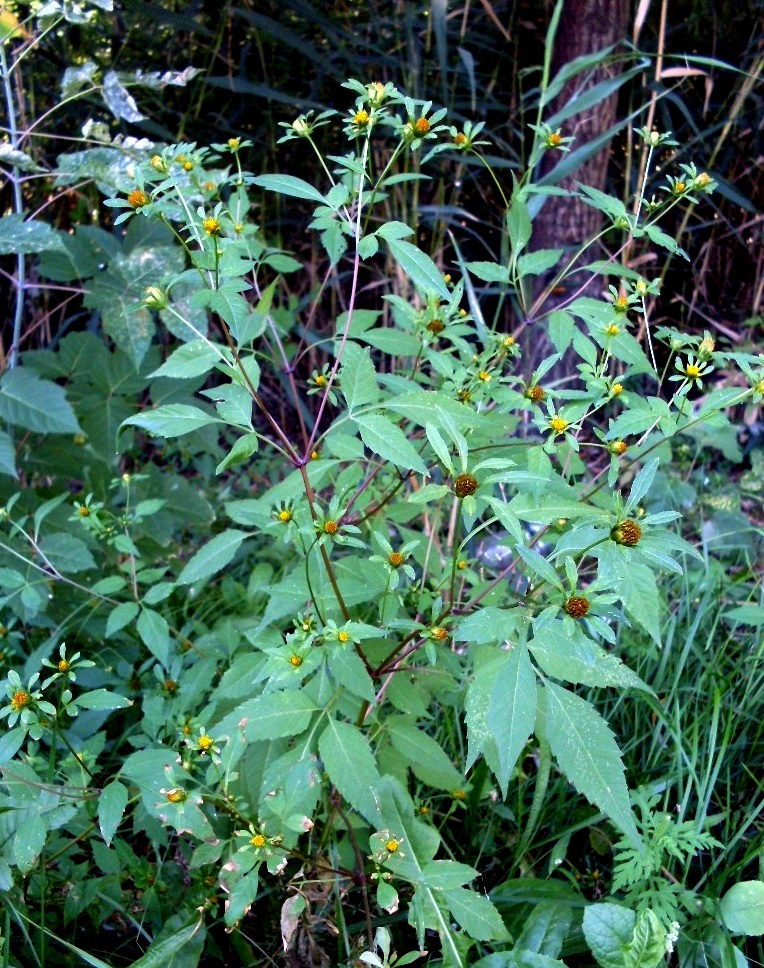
[
  {"x": 63, "y": 665},
  {"x": 460, "y": 139},
  {"x": 421, "y": 126},
  {"x": 509, "y": 342},
  {"x": 137, "y": 198},
  {"x": 20, "y": 700},
  {"x": 177, "y": 795},
  {"x": 343, "y": 637},
  {"x": 439, "y": 633},
  {"x": 680, "y": 188},
  {"x": 702, "y": 180},
  {"x": 554, "y": 140},
  {"x": 613, "y": 330},
  {"x": 621, "y": 304},
  {"x": 258, "y": 841},
  {"x": 233, "y": 144},
  {"x": 459, "y": 794},
  {"x": 692, "y": 371},
  {"x": 361, "y": 118},
  {"x": 188, "y": 165},
  {"x": 558, "y": 424},
  {"x": 84, "y": 512},
  {"x": 238, "y": 227},
  {"x": 285, "y": 516},
  {"x": 320, "y": 380},
  {"x": 484, "y": 376},
  {"x": 314, "y": 455},
  {"x": 296, "y": 661},
  {"x": 392, "y": 846},
  {"x": 331, "y": 527},
  {"x": 461, "y": 565},
  {"x": 616, "y": 389},
  {"x": 395, "y": 559},
  {"x": 211, "y": 226},
  {"x": 205, "y": 743}
]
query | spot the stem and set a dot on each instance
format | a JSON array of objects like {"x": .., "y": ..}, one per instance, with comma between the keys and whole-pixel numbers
[
  {"x": 18, "y": 206},
  {"x": 539, "y": 794}
]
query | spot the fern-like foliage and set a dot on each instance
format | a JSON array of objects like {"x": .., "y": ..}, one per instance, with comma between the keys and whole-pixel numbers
[{"x": 646, "y": 878}]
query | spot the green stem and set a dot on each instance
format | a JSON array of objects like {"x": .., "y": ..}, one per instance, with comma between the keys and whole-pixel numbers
[
  {"x": 18, "y": 206},
  {"x": 539, "y": 795}
]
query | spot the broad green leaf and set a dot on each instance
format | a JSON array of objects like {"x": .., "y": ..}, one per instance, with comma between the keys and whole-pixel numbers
[
  {"x": 427, "y": 759},
  {"x": 561, "y": 328},
  {"x": 419, "y": 267},
  {"x": 476, "y": 915},
  {"x": 121, "y": 616},
  {"x": 534, "y": 263},
  {"x": 111, "y": 809},
  {"x": 394, "y": 230},
  {"x": 67, "y": 553},
  {"x": 7, "y": 455},
  {"x": 512, "y": 710},
  {"x": 439, "y": 446},
  {"x": 289, "y": 185},
  {"x": 270, "y": 716},
  {"x": 102, "y": 699},
  {"x": 488, "y": 271},
  {"x": 212, "y": 557},
  {"x": 190, "y": 360},
  {"x": 742, "y": 908},
  {"x": 348, "y": 760},
  {"x": 519, "y": 225},
  {"x": 34, "y": 404},
  {"x": 588, "y": 755},
  {"x": 443, "y": 875},
  {"x": 160, "y": 953},
  {"x": 387, "y": 440},
  {"x": 641, "y": 598},
  {"x": 28, "y": 841},
  {"x": 171, "y": 420},
  {"x": 155, "y": 633},
  {"x": 26, "y": 237},
  {"x": 358, "y": 378},
  {"x": 11, "y": 742},
  {"x": 642, "y": 484},
  {"x": 570, "y": 655},
  {"x": 619, "y": 938},
  {"x": 241, "y": 898},
  {"x": 545, "y": 929},
  {"x": 241, "y": 451}
]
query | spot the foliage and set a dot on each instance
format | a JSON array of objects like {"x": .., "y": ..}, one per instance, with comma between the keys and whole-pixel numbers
[{"x": 341, "y": 583}]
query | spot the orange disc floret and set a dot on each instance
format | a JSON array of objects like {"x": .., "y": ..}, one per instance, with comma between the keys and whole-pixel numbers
[
  {"x": 627, "y": 533},
  {"x": 63, "y": 665},
  {"x": 439, "y": 633},
  {"x": 577, "y": 606},
  {"x": 621, "y": 304},
  {"x": 296, "y": 661},
  {"x": 535, "y": 393},
  {"x": 680, "y": 188},
  {"x": 20, "y": 700},
  {"x": 138, "y": 198},
  {"x": 460, "y": 139},
  {"x": 464, "y": 485},
  {"x": 436, "y": 326},
  {"x": 330, "y": 527},
  {"x": 618, "y": 448},
  {"x": 421, "y": 126},
  {"x": 84, "y": 512},
  {"x": 395, "y": 559},
  {"x": 554, "y": 140},
  {"x": 170, "y": 687}
]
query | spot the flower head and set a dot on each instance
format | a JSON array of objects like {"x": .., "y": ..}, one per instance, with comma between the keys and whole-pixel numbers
[
  {"x": 138, "y": 198},
  {"x": 576, "y": 606},
  {"x": 558, "y": 424},
  {"x": 464, "y": 485},
  {"x": 535, "y": 393},
  {"x": 627, "y": 533}
]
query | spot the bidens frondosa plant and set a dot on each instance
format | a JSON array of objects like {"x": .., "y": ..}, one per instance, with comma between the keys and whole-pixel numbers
[{"x": 295, "y": 727}]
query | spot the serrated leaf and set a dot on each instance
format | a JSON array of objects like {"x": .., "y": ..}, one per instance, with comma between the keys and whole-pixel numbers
[
  {"x": 534, "y": 263},
  {"x": 289, "y": 185},
  {"x": 358, "y": 378},
  {"x": 7, "y": 456},
  {"x": 34, "y": 404},
  {"x": 488, "y": 271},
  {"x": 427, "y": 760},
  {"x": 388, "y": 441},
  {"x": 588, "y": 755},
  {"x": 419, "y": 267},
  {"x": 518, "y": 225},
  {"x": 476, "y": 915},
  {"x": 608, "y": 929},
  {"x": 271, "y": 716},
  {"x": 171, "y": 420},
  {"x": 159, "y": 954},
  {"x": 641, "y": 598},
  {"x": 121, "y": 616},
  {"x": 102, "y": 699},
  {"x": 111, "y": 809},
  {"x": 443, "y": 875},
  {"x": 190, "y": 360},
  {"x": 512, "y": 710},
  {"x": 212, "y": 557},
  {"x": 642, "y": 484},
  {"x": 348, "y": 760}
]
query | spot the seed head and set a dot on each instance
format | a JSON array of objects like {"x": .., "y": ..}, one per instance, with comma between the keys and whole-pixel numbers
[
  {"x": 577, "y": 606},
  {"x": 464, "y": 485},
  {"x": 170, "y": 686},
  {"x": 138, "y": 198},
  {"x": 618, "y": 448},
  {"x": 421, "y": 126},
  {"x": 627, "y": 533},
  {"x": 436, "y": 326},
  {"x": 439, "y": 633},
  {"x": 535, "y": 393}
]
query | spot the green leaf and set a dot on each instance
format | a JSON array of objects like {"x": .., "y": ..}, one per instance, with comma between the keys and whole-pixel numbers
[
  {"x": 21, "y": 237},
  {"x": 7, "y": 455},
  {"x": 419, "y": 267},
  {"x": 476, "y": 915},
  {"x": 388, "y": 441},
  {"x": 155, "y": 633},
  {"x": 171, "y": 420},
  {"x": 348, "y": 760},
  {"x": 519, "y": 225},
  {"x": 11, "y": 742},
  {"x": 240, "y": 900},
  {"x": 111, "y": 809},
  {"x": 102, "y": 699},
  {"x": 642, "y": 484},
  {"x": 212, "y": 557},
  {"x": 641, "y": 598},
  {"x": 270, "y": 716},
  {"x": 488, "y": 271},
  {"x": 572, "y": 656},
  {"x": 742, "y": 908},
  {"x": 121, "y": 616},
  {"x": 241, "y": 451},
  {"x": 428, "y": 761},
  {"x": 619, "y": 938},
  {"x": 358, "y": 378},
  {"x": 190, "y": 360},
  {"x": 535, "y": 263},
  {"x": 28, "y": 841},
  {"x": 160, "y": 953},
  {"x": 512, "y": 710},
  {"x": 588, "y": 755},
  {"x": 561, "y": 329},
  {"x": 289, "y": 185},
  {"x": 34, "y": 404},
  {"x": 444, "y": 875},
  {"x": 66, "y": 553}
]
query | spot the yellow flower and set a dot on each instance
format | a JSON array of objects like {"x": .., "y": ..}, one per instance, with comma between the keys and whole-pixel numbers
[
  {"x": 554, "y": 140},
  {"x": 211, "y": 226},
  {"x": 343, "y": 637},
  {"x": 137, "y": 198},
  {"x": 258, "y": 841},
  {"x": 20, "y": 700},
  {"x": 233, "y": 144},
  {"x": 205, "y": 743},
  {"x": 558, "y": 425},
  {"x": 460, "y": 140},
  {"x": 392, "y": 846},
  {"x": 285, "y": 516},
  {"x": 296, "y": 661},
  {"x": 613, "y": 330},
  {"x": 702, "y": 180},
  {"x": 63, "y": 665},
  {"x": 395, "y": 559},
  {"x": 421, "y": 126},
  {"x": 439, "y": 633},
  {"x": 188, "y": 165},
  {"x": 484, "y": 376},
  {"x": 361, "y": 118},
  {"x": 177, "y": 795},
  {"x": 459, "y": 794},
  {"x": 616, "y": 389},
  {"x": 680, "y": 188},
  {"x": 692, "y": 371},
  {"x": 320, "y": 380},
  {"x": 331, "y": 527}
]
